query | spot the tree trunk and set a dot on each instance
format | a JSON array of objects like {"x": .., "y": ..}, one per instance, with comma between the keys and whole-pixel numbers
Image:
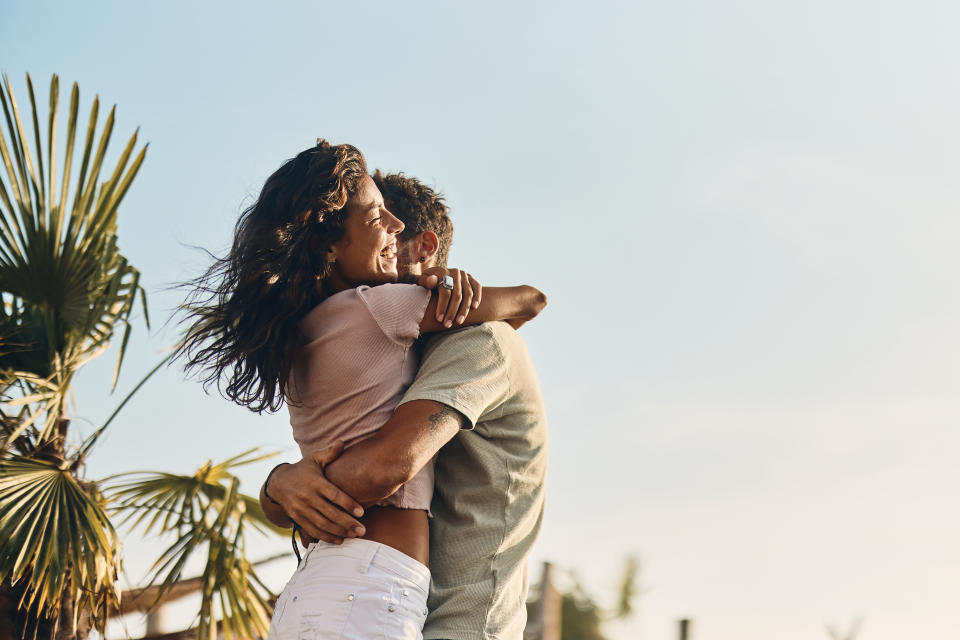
[
  {"x": 14, "y": 625},
  {"x": 64, "y": 628}
]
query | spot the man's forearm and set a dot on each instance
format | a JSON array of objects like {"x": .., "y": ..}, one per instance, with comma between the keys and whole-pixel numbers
[{"x": 375, "y": 468}]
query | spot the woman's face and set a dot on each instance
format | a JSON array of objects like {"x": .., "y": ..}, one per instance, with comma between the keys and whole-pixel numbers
[{"x": 367, "y": 253}]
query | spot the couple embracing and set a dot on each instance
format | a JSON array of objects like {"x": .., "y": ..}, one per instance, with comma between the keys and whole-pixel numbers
[{"x": 335, "y": 299}]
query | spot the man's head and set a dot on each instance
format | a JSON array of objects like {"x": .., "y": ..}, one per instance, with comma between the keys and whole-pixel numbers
[{"x": 428, "y": 231}]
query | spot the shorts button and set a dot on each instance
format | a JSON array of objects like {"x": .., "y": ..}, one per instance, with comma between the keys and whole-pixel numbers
[
  {"x": 391, "y": 608},
  {"x": 350, "y": 597},
  {"x": 405, "y": 592}
]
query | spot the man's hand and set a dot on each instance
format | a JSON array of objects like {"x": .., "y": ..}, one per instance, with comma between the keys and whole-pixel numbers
[
  {"x": 319, "y": 508},
  {"x": 453, "y": 305}
]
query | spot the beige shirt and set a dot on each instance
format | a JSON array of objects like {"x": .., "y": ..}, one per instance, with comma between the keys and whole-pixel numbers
[
  {"x": 488, "y": 500},
  {"x": 355, "y": 362}
]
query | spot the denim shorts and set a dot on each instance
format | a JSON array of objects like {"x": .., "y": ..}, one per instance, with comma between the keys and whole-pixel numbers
[{"x": 357, "y": 590}]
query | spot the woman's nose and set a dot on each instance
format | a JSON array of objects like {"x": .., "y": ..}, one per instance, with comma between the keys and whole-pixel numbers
[{"x": 393, "y": 223}]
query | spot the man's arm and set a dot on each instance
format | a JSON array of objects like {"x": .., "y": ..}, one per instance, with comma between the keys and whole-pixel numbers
[
  {"x": 298, "y": 493},
  {"x": 375, "y": 468},
  {"x": 309, "y": 490}
]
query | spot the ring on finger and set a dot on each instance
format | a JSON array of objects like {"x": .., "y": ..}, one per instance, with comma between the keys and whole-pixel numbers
[{"x": 447, "y": 283}]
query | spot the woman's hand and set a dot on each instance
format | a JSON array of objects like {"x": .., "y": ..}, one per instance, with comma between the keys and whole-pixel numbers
[
  {"x": 320, "y": 509},
  {"x": 453, "y": 305}
]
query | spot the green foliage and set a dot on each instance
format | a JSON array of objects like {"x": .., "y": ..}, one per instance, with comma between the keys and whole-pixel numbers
[
  {"x": 203, "y": 511},
  {"x": 57, "y": 537},
  {"x": 628, "y": 588},
  {"x": 65, "y": 289},
  {"x": 580, "y": 617},
  {"x": 65, "y": 292},
  {"x": 65, "y": 286}
]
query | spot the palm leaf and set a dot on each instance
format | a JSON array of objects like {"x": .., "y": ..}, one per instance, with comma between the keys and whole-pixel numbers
[
  {"x": 65, "y": 287},
  {"x": 204, "y": 511},
  {"x": 58, "y": 539}
]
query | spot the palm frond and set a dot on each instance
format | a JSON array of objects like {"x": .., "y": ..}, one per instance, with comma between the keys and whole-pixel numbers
[
  {"x": 628, "y": 588},
  {"x": 204, "y": 511},
  {"x": 40, "y": 408},
  {"x": 55, "y": 535},
  {"x": 66, "y": 288}
]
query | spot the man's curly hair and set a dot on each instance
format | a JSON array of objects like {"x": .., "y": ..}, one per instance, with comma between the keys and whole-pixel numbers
[{"x": 419, "y": 207}]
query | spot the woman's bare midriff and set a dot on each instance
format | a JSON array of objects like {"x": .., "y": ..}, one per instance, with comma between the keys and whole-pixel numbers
[{"x": 405, "y": 530}]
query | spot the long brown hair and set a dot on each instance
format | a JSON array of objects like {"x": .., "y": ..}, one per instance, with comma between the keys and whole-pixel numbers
[{"x": 243, "y": 311}]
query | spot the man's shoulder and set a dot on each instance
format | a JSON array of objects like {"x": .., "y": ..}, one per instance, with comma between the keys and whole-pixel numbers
[
  {"x": 480, "y": 336},
  {"x": 467, "y": 369}
]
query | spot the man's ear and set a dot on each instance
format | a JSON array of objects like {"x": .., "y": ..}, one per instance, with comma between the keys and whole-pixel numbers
[{"x": 429, "y": 243}]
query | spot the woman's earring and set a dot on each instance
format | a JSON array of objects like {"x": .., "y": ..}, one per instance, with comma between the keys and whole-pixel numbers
[{"x": 423, "y": 258}]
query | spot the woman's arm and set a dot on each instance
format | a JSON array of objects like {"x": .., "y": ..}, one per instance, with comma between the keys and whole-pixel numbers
[{"x": 516, "y": 305}]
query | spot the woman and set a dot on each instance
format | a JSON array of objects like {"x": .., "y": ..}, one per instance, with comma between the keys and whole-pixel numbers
[{"x": 294, "y": 313}]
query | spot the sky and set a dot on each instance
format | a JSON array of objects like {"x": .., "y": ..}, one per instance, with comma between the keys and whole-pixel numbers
[{"x": 744, "y": 215}]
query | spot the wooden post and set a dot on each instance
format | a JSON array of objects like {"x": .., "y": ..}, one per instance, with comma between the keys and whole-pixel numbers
[
  {"x": 544, "y": 622},
  {"x": 552, "y": 605},
  {"x": 684, "y": 629}
]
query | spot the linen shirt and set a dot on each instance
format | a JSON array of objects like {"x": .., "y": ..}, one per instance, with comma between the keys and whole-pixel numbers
[{"x": 489, "y": 495}]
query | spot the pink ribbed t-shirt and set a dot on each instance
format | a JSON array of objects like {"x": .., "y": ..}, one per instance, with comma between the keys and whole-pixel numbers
[{"x": 356, "y": 360}]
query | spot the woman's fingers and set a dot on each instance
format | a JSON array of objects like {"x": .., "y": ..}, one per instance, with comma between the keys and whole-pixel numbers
[
  {"x": 454, "y": 305},
  {"x": 456, "y": 295},
  {"x": 477, "y": 290},
  {"x": 443, "y": 299},
  {"x": 466, "y": 303}
]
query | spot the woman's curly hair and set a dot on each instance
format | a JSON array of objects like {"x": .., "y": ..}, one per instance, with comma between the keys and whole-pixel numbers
[{"x": 243, "y": 312}]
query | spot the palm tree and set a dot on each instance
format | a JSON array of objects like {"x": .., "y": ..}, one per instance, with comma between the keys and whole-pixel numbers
[
  {"x": 66, "y": 292},
  {"x": 204, "y": 510}
]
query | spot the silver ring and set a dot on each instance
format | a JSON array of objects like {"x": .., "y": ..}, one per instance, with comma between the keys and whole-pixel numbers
[{"x": 447, "y": 283}]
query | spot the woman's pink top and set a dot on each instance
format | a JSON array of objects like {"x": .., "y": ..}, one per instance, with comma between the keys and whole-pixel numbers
[{"x": 356, "y": 360}]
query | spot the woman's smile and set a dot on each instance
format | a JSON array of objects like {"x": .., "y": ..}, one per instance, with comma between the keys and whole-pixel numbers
[
  {"x": 390, "y": 252},
  {"x": 367, "y": 253}
]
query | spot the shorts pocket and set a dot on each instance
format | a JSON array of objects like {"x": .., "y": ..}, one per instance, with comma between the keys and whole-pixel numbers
[
  {"x": 317, "y": 609},
  {"x": 404, "y": 612}
]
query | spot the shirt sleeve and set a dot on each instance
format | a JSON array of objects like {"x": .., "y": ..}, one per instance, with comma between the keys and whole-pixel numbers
[
  {"x": 397, "y": 309},
  {"x": 465, "y": 370}
]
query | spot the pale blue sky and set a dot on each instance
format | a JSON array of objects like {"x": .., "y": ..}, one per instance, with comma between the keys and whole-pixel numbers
[{"x": 744, "y": 214}]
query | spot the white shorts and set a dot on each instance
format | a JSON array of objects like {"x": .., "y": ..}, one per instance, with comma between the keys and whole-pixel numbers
[{"x": 357, "y": 590}]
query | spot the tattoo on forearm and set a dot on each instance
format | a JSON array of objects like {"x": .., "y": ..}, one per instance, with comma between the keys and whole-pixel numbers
[{"x": 436, "y": 420}]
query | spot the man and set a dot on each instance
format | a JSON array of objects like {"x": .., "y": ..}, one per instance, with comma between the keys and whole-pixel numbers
[{"x": 477, "y": 389}]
